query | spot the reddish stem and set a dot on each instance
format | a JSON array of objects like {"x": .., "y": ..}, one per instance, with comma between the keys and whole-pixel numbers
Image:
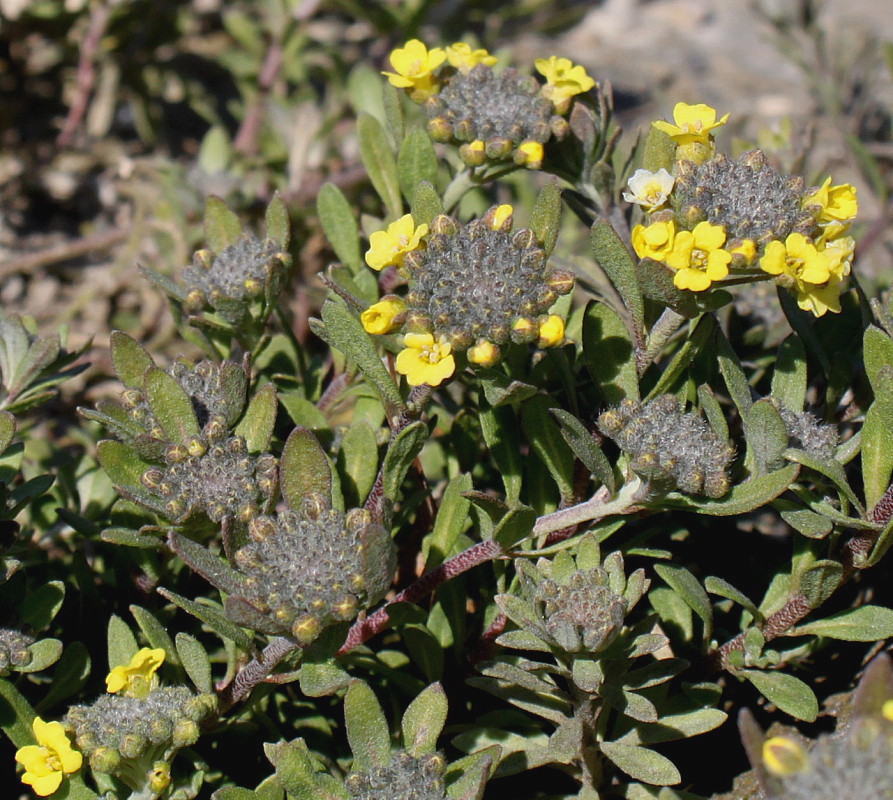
[
  {"x": 364, "y": 629},
  {"x": 253, "y": 673},
  {"x": 86, "y": 73}
]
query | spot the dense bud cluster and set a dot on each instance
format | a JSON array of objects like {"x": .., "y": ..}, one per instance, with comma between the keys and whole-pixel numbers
[
  {"x": 668, "y": 447},
  {"x": 583, "y": 614},
  {"x": 239, "y": 272},
  {"x": 117, "y": 727},
  {"x": 481, "y": 285},
  {"x": 218, "y": 478},
  {"x": 745, "y": 196},
  {"x": 307, "y": 570},
  {"x": 404, "y": 778},
  {"x": 493, "y": 116},
  {"x": 807, "y": 433},
  {"x": 14, "y": 649},
  {"x": 216, "y": 391}
]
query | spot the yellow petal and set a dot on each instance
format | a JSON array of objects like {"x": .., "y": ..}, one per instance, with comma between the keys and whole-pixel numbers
[{"x": 43, "y": 785}]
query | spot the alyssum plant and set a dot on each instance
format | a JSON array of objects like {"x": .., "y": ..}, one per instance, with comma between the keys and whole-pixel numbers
[{"x": 499, "y": 456}]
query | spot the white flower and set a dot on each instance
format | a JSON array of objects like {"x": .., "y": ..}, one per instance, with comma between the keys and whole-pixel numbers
[{"x": 649, "y": 189}]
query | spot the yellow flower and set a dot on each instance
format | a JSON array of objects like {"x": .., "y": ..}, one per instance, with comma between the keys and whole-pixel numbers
[
  {"x": 693, "y": 123},
  {"x": 387, "y": 248},
  {"x": 649, "y": 189},
  {"x": 135, "y": 678},
  {"x": 52, "y": 757},
  {"x": 414, "y": 64},
  {"x": 500, "y": 215},
  {"x": 783, "y": 756},
  {"x": 839, "y": 252},
  {"x": 655, "y": 241},
  {"x": 798, "y": 259},
  {"x": 698, "y": 257},
  {"x": 463, "y": 58},
  {"x": 838, "y": 203},
  {"x": 530, "y": 155},
  {"x": 424, "y": 360},
  {"x": 563, "y": 81},
  {"x": 746, "y": 249},
  {"x": 484, "y": 353},
  {"x": 551, "y": 331},
  {"x": 382, "y": 317},
  {"x": 812, "y": 273},
  {"x": 887, "y": 710}
]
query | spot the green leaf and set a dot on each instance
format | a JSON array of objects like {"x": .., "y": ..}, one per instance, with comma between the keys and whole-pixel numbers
[
  {"x": 378, "y": 159},
  {"x": 416, "y": 162},
  {"x": 222, "y": 226},
  {"x": 69, "y": 676},
  {"x": 612, "y": 256},
  {"x": 195, "y": 661},
  {"x": 40, "y": 607},
  {"x": 339, "y": 225},
  {"x": 424, "y": 720},
  {"x": 766, "y": 436},
  {"x": 723, "y": 588},
  {"x": 583, "y": 444},
  {"x": 809, "y": 523},
  {"x": 545, "y": 219},
  {"x": 424, "y": 650},
  {"x": 276, "y": 222},
  {"x": 790, "y": 694},
  {"x": 733, "y": 373},
  {"x": 44, "y": 653},
  {"x": 426, "y": 204},
  {"x": 683, "y": 357},
  {"x": 676, "y": 726},
  {"x": 7, "y": 429},
  {"x": 16, "y": 715},
  {"x": 301, "y": 774},
  {"x": 829, "y": 467},
  {"x": 451, "y": 521},
  {"x": 323, "y": 679},
  {"x": 877, "y": 350},
  {"x": 155, "y": 633},
  {"x": 345, "y": 333},
  {"x": 130, "y": 360},
  {"x": 864, "y": 624},
  {"x": 642, "y": 764},
  {"x": 212, "y": 617},
  {"x": 122, "y": 644},
  {"x": 659, "y": 151},
  {"x": 745, "y": 496},
  {"x": 367, "y": 728},
  {"x": 171, "y": 407},
  {"x": 207, "y": 564},
  {"x": 789, "y": 376},
  {"x": 820, "y": 580},
  {"x": 547, "y": 442},
  {"x": 681, "y": 581},
  {"x": 304, "y": 469},
  {"x": 402, "y": 451},
  {"x": 515, "y": 526},
  {"x": 256, "y": 425},
  {"x": 121, "y": 463},
  {"x": 393, "y": 110},
  {"x": 877, "y": 442},
  {"x": 358, "y": 460},
  {"x": 609, "y": 354}
]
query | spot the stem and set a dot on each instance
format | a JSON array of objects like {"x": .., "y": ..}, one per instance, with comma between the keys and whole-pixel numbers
[
  {"x": 591, "y": 510},
  {"x": 253, "y": 673},
  {"x": 64, "y": 252},
  {"x": 245, "y": 142},
  {"x": 86, "y": 73},
  {"x": 667, "y": 324},
  {"x": 459, "y": 185},
  {"x": 364, "y": 629}
]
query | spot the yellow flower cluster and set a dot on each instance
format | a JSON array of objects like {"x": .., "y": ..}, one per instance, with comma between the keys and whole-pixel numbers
[
  {"x": 135, "y": 678},
  {"x": 564, "y": 81},
  {"x": 811, "y": 263}
]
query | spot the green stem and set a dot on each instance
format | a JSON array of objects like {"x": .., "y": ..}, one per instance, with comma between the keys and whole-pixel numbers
[{"x": 462, "y": 182}]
